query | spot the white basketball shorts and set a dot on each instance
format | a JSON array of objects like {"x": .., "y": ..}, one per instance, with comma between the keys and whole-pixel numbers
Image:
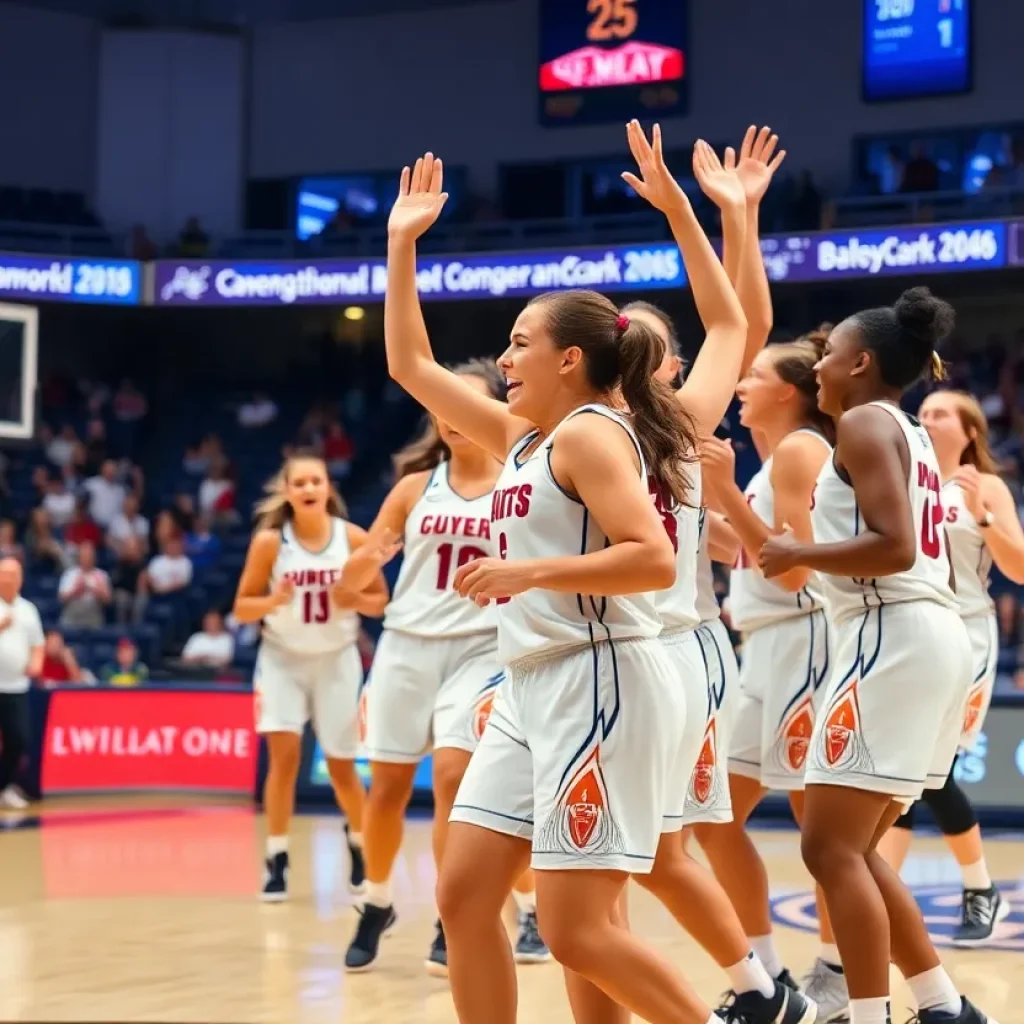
[
  {"x": 783, "y": 670},
  {"x": 983, "y": 632},
  {"x": 292, "y": 689},
  {"x": 578, "y": 756},
  {"x": 429, "y": 691},
  {"x": 894, "y": 706},
  {"x": 688, "y": 670},
  {"x": 707, "y": 798}
]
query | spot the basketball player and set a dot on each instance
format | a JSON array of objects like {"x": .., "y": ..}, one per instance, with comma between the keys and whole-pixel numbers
[
  {"x": 982, "y": 528},
  {"x": 893, "y": 710},
  {"x": 584, "y": 730},
  {"x": 786, "y": 635},
  {"x": 308, "y": 666},
  {"x": 436, "y": 666}
]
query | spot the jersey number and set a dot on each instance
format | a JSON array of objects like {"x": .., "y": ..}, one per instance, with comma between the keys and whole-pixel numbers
[
  {"x": 613, "y": 19},
  {"x": 502, "y": 554},
  {"x": 316, "y": 607},
  {"x": 467, "y": 553},
  {"x": 663, "y": 509},
  {"x": 931, "y": 520}
]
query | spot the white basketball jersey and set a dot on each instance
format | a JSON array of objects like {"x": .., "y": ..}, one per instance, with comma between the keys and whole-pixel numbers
[
  {"x": 753, "y": 600},
  {"x": 532, "y": 517},
  {"x": 443, "y": 532},
  {"x": 708, "y": 608},
  {"x": 310, "y": 623},
  {"x": 677, "y": 605},
  {"x": 971, "y": 559},
  {"x": 836, "y": 517}
]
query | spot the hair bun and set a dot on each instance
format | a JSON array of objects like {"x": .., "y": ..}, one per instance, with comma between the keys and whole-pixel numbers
[{"x": 925, "y": 319}]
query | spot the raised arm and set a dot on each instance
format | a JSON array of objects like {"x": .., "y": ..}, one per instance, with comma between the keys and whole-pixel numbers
[
  {"x": 411, "y": 363},
  {"x": 712, "y": 380},
  {"x": 372, "y": 598},
  {"x": 869, "y": 448},
  {"x": 757, "y": 165}
]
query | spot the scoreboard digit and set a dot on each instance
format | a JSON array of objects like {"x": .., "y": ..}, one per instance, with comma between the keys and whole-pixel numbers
[{"x": 611, "y": 60}]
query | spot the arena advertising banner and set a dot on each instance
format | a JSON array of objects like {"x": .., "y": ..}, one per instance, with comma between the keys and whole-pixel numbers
[
  {"x": 154, "y": 739},
  {"x": 60, "y": 279},
  {"x": 875, "y": 252}
]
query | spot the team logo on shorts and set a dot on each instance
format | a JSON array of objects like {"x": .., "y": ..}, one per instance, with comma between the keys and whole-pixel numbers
[
  {"x": 795, "y": 735},
  {"x": 482, "y": 711},
  {"x": 841, "y": 735},
  {"x": 975, "y": 706},
  {"x": 940, "y": 906},
  {"x": 581, "y": 821},
  {"x": 363, "y": 699},
  {"x": 705, "y": 778}
]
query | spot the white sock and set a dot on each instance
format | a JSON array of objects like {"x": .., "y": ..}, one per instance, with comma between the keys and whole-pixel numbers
[
  {"x": 829, "y": 952},
  {"x": 379, "y": 893},
  {"x": 355, "y": 839},
  {"x": 276, "y": 845},
  {"x": 749, "y": 975},
  {"x": 934, "y": 990},
  {"x": 526, "y": 902},
  {"x": 976, "y": 875},
  {"x": 764, "y": 947},
  {"x": 715, "y": 1019},
  {"x": 870, "y": 1011}
]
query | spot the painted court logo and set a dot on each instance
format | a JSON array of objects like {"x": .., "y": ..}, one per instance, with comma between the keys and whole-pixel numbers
[{"x": 940, "y": 905}]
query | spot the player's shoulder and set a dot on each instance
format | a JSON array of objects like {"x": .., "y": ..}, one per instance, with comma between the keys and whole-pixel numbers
[
  {"x": 866, "y": 423},
  {"x": 592, "y": 430},
  {"x": 266, "y": 542},
  {"x": 414, "y": 484},
  {"x": 799, "y": 444}
]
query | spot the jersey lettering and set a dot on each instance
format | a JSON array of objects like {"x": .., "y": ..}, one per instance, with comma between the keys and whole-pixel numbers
[
  {"x": 952, "y": 514},
  {"x": 511, "y": 502},
  {"x": 458, "y": 526},
  {"x": 932, "y": 513},
  {"x": 313, "y": 577},
  {"x": 664, "y": 509}
]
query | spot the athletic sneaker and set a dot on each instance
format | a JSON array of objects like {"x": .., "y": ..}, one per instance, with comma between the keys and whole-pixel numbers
[
  {"x": 530, "y": 947},
  {"x": 983, "y": 909},
  {"x": 437, "y": 958},
  {"x": 969, "y": 1014},
  {"x": 787, "y": 979},
  {"x": 828, "y": 988},
  {"x": 357, "y": 866},
  {"x": 275, "y": 882},
  {"x": 374, "y": 921},
  {"x": 12, "y": 799},
  {"x": 784, "y": 1006}
]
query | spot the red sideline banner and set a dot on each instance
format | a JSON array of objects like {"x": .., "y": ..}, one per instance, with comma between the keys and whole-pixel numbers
[{"x": 147, "y": 739}]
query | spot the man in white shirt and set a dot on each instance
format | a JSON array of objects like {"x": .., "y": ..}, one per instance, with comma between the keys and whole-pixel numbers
[
  {"x": 128, "y": 523},
  {"x": 106, "y": 495},
  {"x": 258, "y": 412},
  {"x": 21, "y": 657},
  {"x": 213, "y": 647},
  {"x": 84, "y": 591},
  {"x": 171, "y": 570},
  {"x": 59, "y": 503}
]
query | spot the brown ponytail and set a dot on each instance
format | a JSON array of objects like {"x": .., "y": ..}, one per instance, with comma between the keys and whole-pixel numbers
[
  {"x": 274, "y": 510},
  {"x": 794, "y": 362},
  {"x": 978, "y": 453},
  {"x": 618, "y": 351},
  {"x": 427, "y": 450}
]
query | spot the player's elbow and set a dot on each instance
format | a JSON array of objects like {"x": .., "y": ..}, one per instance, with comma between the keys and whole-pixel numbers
[
  {"x": 904, "y": 554},
  {"x": 660, "y": 566}
]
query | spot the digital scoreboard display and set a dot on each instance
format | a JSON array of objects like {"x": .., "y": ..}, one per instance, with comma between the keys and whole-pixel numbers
[
  {"x": 611, "y": 60},
  {"x": 916, "y": 48}
]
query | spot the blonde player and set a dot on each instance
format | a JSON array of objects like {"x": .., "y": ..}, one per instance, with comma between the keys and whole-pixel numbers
[
  {"x": 982, "y": 528},
  {"x": 436, "y": 667},
  {"x": 893, "y": 710},
  {"x": 583, "y": 735},
  {"x": 308, "y": 666}
]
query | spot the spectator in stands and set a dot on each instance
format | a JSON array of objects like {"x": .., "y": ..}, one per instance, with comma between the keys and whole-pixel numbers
[
  {"x": 129, "y": 597},
  {"x": 82, "y": 529},
  {"x": 126, "y": 668},
  {"x": 202, "y": 546},
  {"x": 259, "y": 411},
  {"x": 59, "y": 662},
  {"x": 9, "y": 546},
  {"x": 61, "y": 449},
  {"x": 129, "y": 522},
  {"x": 171, "y": 570},
  {"x": 106, "y": 494},
  {"x": 84, "y": 591},
  {"x": 217, "y": 492},
  {"x": 44, "y": 550},
  {"x": 337, "y": 450},
  {"x": 130, "y": 404},
  {"x": 920, "y": 174},
  {"x": 193, "y": 240},
  {"x": 21, "y": 658},
  {"x": 183, "y": 512},
  {"x": 141, "y": 246},
  {"x": 212, "y": 647},
  {"x": 97, "y": 449},
  {"x": 165, "y": 527},
  {"x": 59, "y": 503}
]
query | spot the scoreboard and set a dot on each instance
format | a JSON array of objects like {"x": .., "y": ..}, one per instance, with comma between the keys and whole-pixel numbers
[
  {"x": 611, "y": 60},
  {"x": 916, "y": 48}
]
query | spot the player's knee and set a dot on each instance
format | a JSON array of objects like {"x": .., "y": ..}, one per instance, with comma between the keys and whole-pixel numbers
[
  {"x": 391, "y": 785},
  {"x": 952, "y": 810},
  {"x": 285, "y": 753},
  {"x": 824, "y": 856},
  {"x": 447, "y": 776},
  {"x": 714, "y": 837},
  {"x": 461, "y": 900},
  {"x": 343, "y": 773},
  {"x": 569, "y": 938}
]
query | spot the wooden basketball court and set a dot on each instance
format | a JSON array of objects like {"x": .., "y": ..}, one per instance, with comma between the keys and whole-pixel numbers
[{"x": 142, "y": 910}]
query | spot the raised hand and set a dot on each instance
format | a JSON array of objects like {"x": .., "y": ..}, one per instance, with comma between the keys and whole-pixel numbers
[
  {"x": 757, "y": 165},
  {"x": 655, "y": 183},
  {"x": 283, "y": 591},
  {"x": 420, "y": 199},
  {"x": 719, "y": 183}
]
